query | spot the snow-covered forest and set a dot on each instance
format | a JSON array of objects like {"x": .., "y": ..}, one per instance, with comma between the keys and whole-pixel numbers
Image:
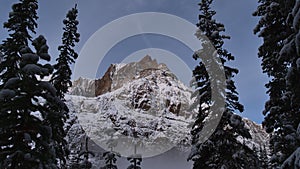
[{"x": 140, "y": 114}]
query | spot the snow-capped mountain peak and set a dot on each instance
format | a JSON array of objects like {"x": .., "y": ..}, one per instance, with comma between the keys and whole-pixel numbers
[{"x": 143, "y": 100}]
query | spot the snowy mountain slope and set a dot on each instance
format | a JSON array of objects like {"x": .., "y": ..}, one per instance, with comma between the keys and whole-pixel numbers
[
  {"x": 141, "y": 100},
  {"x": 152, "y": 105}
]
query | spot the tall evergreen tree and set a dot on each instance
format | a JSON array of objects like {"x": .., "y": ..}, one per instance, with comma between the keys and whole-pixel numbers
[
  {"x": 279, "y": 28},
  {"x": 62, "y": 76},
  {"x": 31, "y": 115},
  {"x": 221, "y": 149}
]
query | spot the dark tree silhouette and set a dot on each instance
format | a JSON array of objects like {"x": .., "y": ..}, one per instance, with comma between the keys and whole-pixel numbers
[
  {"x": 279, "y": 28},
  {"x": 110, "y": 160},
  {"x": 31, "y": 114},
  {"x": 221, "y": 149},
  {"x": 62, "y": 76}
]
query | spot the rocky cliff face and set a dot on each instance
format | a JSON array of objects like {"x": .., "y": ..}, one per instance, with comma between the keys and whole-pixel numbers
[
  {"x": 115, "y": 77},
  {"x": 104, "y": 84},
  {"x": 83, "y": 87}
]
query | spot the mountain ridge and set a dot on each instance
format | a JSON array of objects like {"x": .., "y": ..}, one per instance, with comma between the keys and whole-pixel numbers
[{"x": 116, "y": 76}]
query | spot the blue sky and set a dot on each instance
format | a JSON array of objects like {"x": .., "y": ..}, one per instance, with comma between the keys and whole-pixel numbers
[{"x": 94, "y": 14}]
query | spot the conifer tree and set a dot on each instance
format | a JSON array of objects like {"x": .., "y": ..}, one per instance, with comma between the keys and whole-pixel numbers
[
  {"x": 111, "y": 156},
  {"x": 31, "y": 115},
  {"x": 86, "y": 164},
  {"x": 81, "y": 160},
  {"x": 62, "y": 76},
  {"x": 221, "y": 149},
  {"x": 135, "y": 162},
  {"x": 279, "y": 28},
  {"x": 110, "y": 160}
]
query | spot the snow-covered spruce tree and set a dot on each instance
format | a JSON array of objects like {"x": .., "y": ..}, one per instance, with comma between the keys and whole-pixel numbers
[
  {"x": 31, "y": 118},
  {"x": 280, "y": 52},
  {"x": 293, "y": 161},
  {"x": 221, "y": 149},
  {"x": 22, "y": 19},
  {"x": 62, "y": 76},
  {"x": 110, "y": 160},
  {"x": 135, "y": 162}
]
